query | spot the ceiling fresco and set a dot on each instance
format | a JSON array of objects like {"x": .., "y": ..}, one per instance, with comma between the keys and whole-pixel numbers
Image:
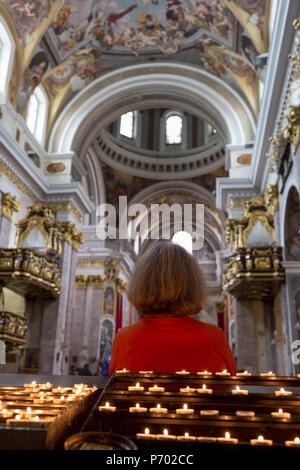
[{"x": 65, "y": 45}]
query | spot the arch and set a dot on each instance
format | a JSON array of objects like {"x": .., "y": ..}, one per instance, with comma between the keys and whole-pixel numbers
[
  {"x": 192, "y": 193},
  {"x": 7, "y": 51},
  {"x": 130, "y": 87}
]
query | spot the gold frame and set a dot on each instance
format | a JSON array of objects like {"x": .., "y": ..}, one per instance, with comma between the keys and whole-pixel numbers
[{"x": 113, "y": 287}]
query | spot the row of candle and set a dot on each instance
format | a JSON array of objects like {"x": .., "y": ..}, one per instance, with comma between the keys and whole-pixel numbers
[
  {"x": 204, "y": 373},
  {"x": 260, "y": 440},
  {"x": 185, "y": 410},
  {"x": 204, "y": 390}
]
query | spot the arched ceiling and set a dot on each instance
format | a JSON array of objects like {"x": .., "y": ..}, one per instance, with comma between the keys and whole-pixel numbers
[{"x": 67, "y": 45}]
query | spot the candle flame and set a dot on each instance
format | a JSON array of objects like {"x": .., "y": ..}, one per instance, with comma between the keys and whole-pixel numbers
[
  {"x": 62, "y": 397},
  {"x": 158, "y": 406},
  {"x": 155, "y": 386},
  {"x": 33, "y": 382},
  {"x": 227, "y": 435},
  {"x": 36, "y": 418},
  {"x": 107, "y": 404},
  {"x": 282, "y": 390},
  {"x": 165, "y": 432},
  {"x": 237, "y": 388},
  {"x": 185, "y": 406},
  {"x": 137, "y": 384},
  {"x": 18, "y": 417},
  {"x": 4, "y": 410},
  {"x": 147, "y": 431},
  {"x": 137, "y": 405},
  {"x": 224, "y": 371},
  {"x": 204, "y": 387},
  {"x": 28, "y": 410},
  {"x": 280, "y": 411},
  {"x": 186, "y": 434},
  {"x": 297, "y": 439},
  {"x": 260, "y": 438}
]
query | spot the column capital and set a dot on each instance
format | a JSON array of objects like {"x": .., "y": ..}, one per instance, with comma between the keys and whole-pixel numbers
[{"x": 9, "y": 205}]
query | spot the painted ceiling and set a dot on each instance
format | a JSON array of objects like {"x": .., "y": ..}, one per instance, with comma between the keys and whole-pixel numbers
[{"x": 65, "y": 45}]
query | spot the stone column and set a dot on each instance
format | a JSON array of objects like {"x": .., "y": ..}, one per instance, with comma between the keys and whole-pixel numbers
[
  {"x": 57, "y": 317},
  {"x": 95, "y": 318},
  {"x": 77, "y": 320},
  {"x": 245, "y": 335},
  {"x": 9, "y": 205}
]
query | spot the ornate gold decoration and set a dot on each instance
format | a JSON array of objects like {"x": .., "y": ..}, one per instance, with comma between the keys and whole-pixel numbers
[
  {"x": 253, "y": 273},
  {"x": 39, "y": 215},
  {"x": 292, "y": 130},
  {"x": 13, "y": 329},
  {"x": 64, "y": 206},
  {"x": 9, "y": 205},
  {"x": 29, "y": 273},
  {"x": 81, "y": 282},
  {"x": 71, "y": 234},
  {"x": 110, "y": 276},
  {"x": 258, "y": 208},
  {"x": 16, "y": 181},
  {"x": 98, "y": 281}
]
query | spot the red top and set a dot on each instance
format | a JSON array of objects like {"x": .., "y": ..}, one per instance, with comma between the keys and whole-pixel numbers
[{"x": 170, "y": 344}]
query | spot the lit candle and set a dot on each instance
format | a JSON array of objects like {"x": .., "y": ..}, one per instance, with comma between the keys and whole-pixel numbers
[
  {"x": 33, "y": 384},
  {"x": 122, "y": 371},
  {"x": 245, "y": 414},
  {"x": 182, "y": 372},
  {"x": 135, "y": 388},
  {"x": 245, "y": 373},
  {"x": 261, "y": 441},
  {"x": 155, "y": 388},
  {"x": 224, "y": 372},
  {"x": 137, "y": 409},
  {"x": 6, "y": 414},
  {"x": 227, "y": 439},
  {"x": 281, "y": 414},
  {"x": 187, "y": 390},
  {"x": 186, "y": 437},
  {"x": 267, "y": 374},
  {"x": 185, "y": 410},
  {"x": 239, "y": 391},
  {"x": 107, "y": 407},
  {"x": 294, "y": 443},
  {"x": 282, "y": 392},
  {"x": 166, "y": 435},
  {"x": 209, "y": 412},
  {"x": 146, "y": 434},
  {"x": 204, "y": 389},
  {"x": 159, "y": 410},
  {"x": 205, "y": 372},
  {"x": 206, "y": 439}
]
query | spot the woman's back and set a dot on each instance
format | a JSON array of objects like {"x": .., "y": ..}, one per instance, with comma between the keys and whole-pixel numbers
[{"x": 169, "y": 344}]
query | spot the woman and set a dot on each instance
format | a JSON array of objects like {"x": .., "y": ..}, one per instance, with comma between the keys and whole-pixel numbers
[{"x": 167, "y": 289}]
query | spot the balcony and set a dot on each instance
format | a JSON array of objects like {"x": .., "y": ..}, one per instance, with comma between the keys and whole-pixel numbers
[
  {"x": 13, "y": 329},
  {"x": 30, "y": 274}
]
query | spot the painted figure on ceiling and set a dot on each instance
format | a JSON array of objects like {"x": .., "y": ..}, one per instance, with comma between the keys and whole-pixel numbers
[{"x": 27, "y": 15}]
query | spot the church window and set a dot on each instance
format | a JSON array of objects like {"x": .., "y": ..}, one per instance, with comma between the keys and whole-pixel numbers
[
  {"x": 127, "y": 123},
  {"x": 173, "y": 129}
]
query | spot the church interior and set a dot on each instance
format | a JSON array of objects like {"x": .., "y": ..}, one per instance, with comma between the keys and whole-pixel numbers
[{"x": 170, "y": 103}]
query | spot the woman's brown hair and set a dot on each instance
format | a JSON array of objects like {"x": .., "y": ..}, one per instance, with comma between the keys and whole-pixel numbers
[{"x": 167, "y": 281}]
